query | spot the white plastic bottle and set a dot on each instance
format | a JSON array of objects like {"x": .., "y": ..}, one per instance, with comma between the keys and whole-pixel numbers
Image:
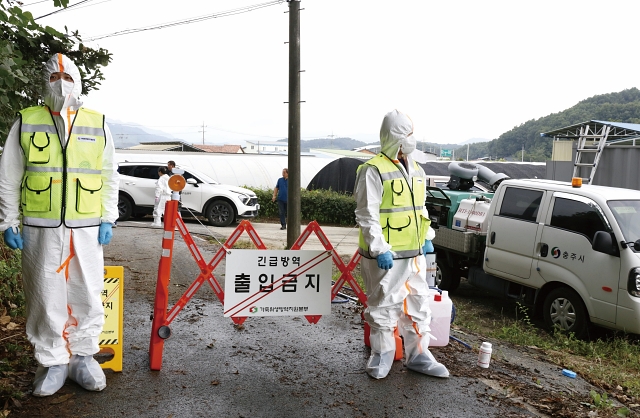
[{"x": 484, "y": 356}]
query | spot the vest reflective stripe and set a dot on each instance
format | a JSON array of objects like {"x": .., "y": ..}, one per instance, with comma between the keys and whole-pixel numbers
[
  {"x": 46, "y": 169},
  {"x": 403, "y": 226},
  {"x": 87, "y": 130},
  {"x": 54, "y": 223},
  {"x": 408, "y": 208},
  {"x": 390, "y": 176},
  {"x": 62, "y": 181},
  {"x": 80, "y": 223},
  {"x": 39, "y": 128},
  {"x": 47, "y": 223},
  {"x": 83, "y": 170}
]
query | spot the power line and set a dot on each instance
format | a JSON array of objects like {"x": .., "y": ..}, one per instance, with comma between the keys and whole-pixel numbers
[
  {"x": 62, "y": 10},
  {"x": 35, "y": 2},
  {"x": 240, "y": 10}
]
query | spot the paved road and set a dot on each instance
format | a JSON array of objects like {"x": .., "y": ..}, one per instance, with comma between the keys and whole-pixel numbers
[{"x": 274, "y": 366}]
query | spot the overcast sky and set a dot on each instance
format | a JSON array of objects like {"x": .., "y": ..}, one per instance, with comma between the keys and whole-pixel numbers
[{"x": 460, "y": 69}]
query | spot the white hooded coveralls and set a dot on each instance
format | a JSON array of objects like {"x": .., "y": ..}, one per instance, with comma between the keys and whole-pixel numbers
[
  {"x": 398, "y": 296},
  {"x": 62, "y": 268},
  {"x": 163, "y": 194}
]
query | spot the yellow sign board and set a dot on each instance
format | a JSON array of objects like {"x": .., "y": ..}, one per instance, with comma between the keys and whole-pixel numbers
[{"x": 113, "y": 302}]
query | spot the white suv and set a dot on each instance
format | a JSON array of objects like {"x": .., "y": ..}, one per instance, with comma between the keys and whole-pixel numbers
[{"x": 221, "y": 204}]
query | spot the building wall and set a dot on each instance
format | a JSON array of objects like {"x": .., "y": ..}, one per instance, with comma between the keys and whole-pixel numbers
[
  {"x": 619, "y": 166},
  {"x": 265, "y": 148}
]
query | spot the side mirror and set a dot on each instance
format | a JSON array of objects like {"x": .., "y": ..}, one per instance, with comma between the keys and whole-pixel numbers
[
  {"x": 635, "y": 245},
  {"x": 603, "y": 243},
  {"x": 192, "y": 181}
]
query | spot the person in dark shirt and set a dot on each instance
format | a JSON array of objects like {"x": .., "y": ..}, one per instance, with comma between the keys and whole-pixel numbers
[
  {"x": 280, "y": 194},
  {"x": 171, "y": 165}
]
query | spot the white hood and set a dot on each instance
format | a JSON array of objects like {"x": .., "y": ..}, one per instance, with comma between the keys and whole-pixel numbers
[
  {"x": 63, "y": 64},
  {"x": 396, "y": 127}
]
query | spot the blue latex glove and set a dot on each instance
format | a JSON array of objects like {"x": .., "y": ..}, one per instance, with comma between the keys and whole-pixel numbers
[
  {"x": 427, "y": 247},
  {"x": 105, "y": 234},
  {"x": 385, "y": 261},
  {"x": 12, "y": 238}
]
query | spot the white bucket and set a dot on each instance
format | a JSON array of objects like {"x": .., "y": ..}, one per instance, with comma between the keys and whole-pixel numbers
[{"x": 440, "y": 305}]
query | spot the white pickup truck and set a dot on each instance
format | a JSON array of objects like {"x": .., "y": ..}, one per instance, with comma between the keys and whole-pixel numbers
[{"x": 572, "y": 253}]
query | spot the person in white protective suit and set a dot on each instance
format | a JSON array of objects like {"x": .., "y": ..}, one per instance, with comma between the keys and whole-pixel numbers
[
  {"x": 395, "y": 234},
  {"x": 163, "y": 193},
  {"x": 57, "y": 171}
]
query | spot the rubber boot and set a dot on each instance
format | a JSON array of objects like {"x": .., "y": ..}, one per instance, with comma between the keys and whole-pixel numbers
[
  {"x": 49, "y": 380},
  {"x": 86, "y": 371}
]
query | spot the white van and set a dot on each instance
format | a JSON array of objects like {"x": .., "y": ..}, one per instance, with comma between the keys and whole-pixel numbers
[
  {"x": 571, "y": 252},
  {"x": 575, "y": 245}
]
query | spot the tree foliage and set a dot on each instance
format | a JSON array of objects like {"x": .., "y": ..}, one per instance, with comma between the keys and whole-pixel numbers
[
  {"x": 24, "y": 47},
  {"x": 623, "y": 107}
]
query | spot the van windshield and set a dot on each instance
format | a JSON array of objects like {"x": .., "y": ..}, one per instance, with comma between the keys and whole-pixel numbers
[{"x": 627, "y": 214}]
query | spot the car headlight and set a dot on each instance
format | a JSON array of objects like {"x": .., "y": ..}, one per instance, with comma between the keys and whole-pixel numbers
[
  {"x": 633, "y": 286},
  {"x": 244, "y": 198}
]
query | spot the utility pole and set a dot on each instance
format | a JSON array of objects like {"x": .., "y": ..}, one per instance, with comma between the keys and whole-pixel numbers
[
  {"x": 467, "y": 152},
  {"x": 293, "y": 204},
  {"x": 522, "y": 153},
  {"x": 331, "y": 136},
  {"x": 203, "y": 131}
]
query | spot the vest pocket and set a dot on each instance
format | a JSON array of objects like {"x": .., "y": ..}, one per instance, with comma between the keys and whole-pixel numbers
[
  {"x": 39, "y": 148},
  {"x": 88, "y": 195},
  {"x": 400, "y": 193},
  {"x": 394, "y": 228},
  {"x": 37, "y": 194}
]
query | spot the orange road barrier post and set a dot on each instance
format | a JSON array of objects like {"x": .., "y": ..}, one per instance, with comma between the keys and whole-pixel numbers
[{"x": 160, "y": 331}]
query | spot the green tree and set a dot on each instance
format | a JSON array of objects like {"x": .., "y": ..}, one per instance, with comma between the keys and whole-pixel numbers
[{"x": 24, "y": 48}]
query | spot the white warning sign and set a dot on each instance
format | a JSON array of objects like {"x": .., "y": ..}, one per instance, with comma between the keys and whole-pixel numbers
[{"x": 277, "y": 283}]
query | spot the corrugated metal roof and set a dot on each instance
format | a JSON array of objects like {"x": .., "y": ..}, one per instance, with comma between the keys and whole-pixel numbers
[
  {"x": 619, "y": 131},
  {"x": 164, "y": 147},
  {"x": 223, "y": 149},
  {"x": 342, "y": 152}
]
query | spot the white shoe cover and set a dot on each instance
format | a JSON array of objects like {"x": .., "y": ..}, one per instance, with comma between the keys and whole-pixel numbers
[
  {"x": 427, "y": 364},
  {"x": 49, "y": 380},
  {"x": 379, "y": 365},
  {"x": 86, "y": 371}
]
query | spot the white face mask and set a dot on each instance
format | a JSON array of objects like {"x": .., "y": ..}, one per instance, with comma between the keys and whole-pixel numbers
[
  {"x": 408, "y": 145},
  {"x": 61, "y": 88}
]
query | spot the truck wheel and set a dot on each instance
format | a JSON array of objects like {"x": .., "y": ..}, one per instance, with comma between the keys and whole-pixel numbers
[
  {"x": 125, "y": 208},
  {"x": 564, "y": 309},
  {"x": 220, "y": 213},
  {"x": 447, "y": 278}
]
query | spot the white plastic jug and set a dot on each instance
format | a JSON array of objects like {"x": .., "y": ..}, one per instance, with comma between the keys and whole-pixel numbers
[
  {"x": 431, "y": 268},
  {"x": 440, "y": 305},
  {"x": 461, "y": 217},
  {"x": 478, "y": 220}
]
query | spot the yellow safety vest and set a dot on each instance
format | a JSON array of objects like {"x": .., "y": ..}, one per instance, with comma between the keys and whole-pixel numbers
[
  {"x": 403, "y": 226},
  {"x": 61, "y": 183}
]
